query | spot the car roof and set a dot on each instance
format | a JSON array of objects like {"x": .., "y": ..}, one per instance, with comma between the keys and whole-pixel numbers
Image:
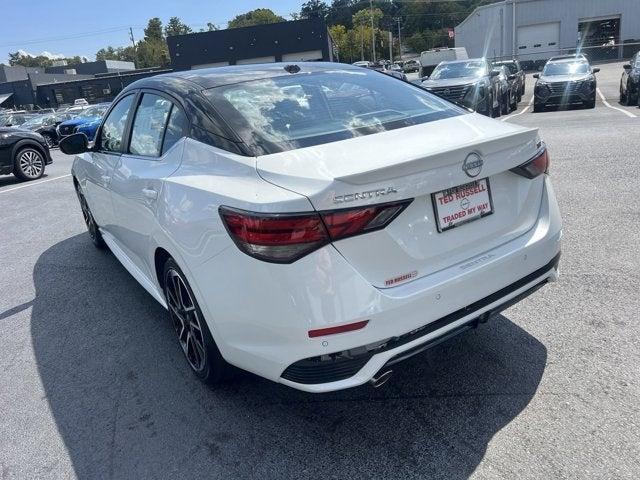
[
  {"x": 448, "y": 62},
  {"x": 217, "y": 76},
  {"x": 577, "y": 57},
  {"x": 567, "y": 60}
]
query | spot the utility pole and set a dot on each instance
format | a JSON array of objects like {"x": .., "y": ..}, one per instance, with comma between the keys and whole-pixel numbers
[
  {"x": 373, "y": 32},
  {"x": 399, "y": 38},
  {"x": 133, "y": 42},
  {"x": 390, "y": 46},
  {"x": 362, "y": 41}
]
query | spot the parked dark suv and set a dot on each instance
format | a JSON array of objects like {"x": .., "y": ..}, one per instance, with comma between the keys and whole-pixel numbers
[
  {"x": 564, "y": 82},
  {"x": 515, "y": 69},
  {"x": 470, "y": 83},
  {"x": 630, "y": 81},
  {"x": 23, "y": 153}
]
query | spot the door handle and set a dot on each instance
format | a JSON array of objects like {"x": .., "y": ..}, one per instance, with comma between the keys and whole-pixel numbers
[{"x": 150, "y": 193}]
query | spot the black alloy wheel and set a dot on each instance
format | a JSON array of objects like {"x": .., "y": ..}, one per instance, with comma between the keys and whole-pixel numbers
[
  {"x": 193, "y": 334},
  {"x": 92, "y": 226}
]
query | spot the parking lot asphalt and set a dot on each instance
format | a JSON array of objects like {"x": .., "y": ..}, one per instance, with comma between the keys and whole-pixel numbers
[{"x": 93, "y": 383}]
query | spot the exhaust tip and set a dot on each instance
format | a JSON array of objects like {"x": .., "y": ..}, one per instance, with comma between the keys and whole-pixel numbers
[{"x": 381, "y": 379}]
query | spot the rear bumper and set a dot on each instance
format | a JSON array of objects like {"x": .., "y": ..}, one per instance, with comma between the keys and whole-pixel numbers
[{"x": 263, "y": 325}]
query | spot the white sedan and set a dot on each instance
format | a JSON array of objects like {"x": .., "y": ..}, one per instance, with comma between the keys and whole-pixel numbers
[{"x": 316, "y": 223}]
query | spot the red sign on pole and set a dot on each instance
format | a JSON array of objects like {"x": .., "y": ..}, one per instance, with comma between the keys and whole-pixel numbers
[{"x": 452, "y": 33}]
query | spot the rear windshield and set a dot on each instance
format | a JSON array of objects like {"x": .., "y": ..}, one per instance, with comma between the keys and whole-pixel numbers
[
  {"x": 285, "y": 113},
  {"x": 459, "y": 69},
  {"x": 566, "y": 68},
  {"x": 511, "y": 66}
]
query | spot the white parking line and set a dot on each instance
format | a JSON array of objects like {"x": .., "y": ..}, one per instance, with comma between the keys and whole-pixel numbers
[
  {"x": 519, "y": 113},
  {"x": 604, "y": 100},
  {"x": 34, "y": 183}
]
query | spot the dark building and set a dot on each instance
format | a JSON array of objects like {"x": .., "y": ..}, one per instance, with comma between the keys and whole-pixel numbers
[
  {"x": 295, "y": 41},
  {"x": 21, "y": 91},
  {"x": 93, "y": 68},
  {"x": 95, "y": 90}
]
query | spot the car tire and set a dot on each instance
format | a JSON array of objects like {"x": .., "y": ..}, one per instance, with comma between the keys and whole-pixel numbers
[
  {"x": 505, "y": 104},
  {"x": 591, "y": 103},
  {"x": 497, "y": 111},
  {"x": 195, "y": 339},
  {"x": 628, "y": 100},
  {"x": 90, "y": 222},
  {"x": 29, "y": 164},
  {"x": 538, "y": 107}
]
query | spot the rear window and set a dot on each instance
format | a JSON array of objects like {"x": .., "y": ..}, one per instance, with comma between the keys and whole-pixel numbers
[
  {"x": 511, "y": 66},
  {"x": 566, "y": 68},
  {"x": 472, "y": 68},
  {"x": 296, "y": 111}
]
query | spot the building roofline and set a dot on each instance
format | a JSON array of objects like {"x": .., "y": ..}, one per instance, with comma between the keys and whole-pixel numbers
[
  {"x": 481, "y": 7},
  {"x": 110, "y": 76}
]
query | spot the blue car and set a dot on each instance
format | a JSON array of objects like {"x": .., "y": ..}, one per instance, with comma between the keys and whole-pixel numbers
[
  {"x": 89, "y": 128},
  {"x": 89, "y": 115}
]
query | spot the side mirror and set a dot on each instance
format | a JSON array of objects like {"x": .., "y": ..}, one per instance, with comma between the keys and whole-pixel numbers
[
  {"x": 627, "y": 66},
  {"x": 512, "y": 77},
  {"x": 494, "y": 73},
  {"x": 595, "y": 70},
  {"x": 536, "y": 75},
  {"x": 74, "y": 144}
]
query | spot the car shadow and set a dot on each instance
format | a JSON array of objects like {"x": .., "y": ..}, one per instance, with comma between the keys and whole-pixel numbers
[
  {"x": 127, "y": 407},
  {"x": 11, "y": 179}
]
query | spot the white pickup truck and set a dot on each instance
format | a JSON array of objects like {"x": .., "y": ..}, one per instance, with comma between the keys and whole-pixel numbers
[{"x": 430, "y": 59}]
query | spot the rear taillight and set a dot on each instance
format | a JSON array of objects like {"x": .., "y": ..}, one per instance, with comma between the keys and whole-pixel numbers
[
  {"x": 534, "y": 167},
  {"x": 284, "y": 238}
]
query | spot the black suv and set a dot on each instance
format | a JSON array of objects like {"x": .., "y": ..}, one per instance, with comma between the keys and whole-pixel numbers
[
  {"x": 470, "y": 83},
  {"x": 564, "y": 82},
  {"x": 23, "y": 153},
  {"x": 515, "y": 69},
  {"x": 630, "y": 81},
  {"x": 46, "y": 125}
]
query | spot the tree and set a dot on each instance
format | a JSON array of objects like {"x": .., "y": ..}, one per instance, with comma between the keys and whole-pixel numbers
[
  {"x": 314, "y": 9},
  {"x": 40, "y": 61},
  {"x": 125, "y": 54},
  {"x": 210, "y": 28},
  {"x": 363, "y": 17},
  {"x": 152, "y": 51},
  {"x": 259, "y": 16},
  {"x": 153, "y": 31},
  {"x": 176, "y": 27}
]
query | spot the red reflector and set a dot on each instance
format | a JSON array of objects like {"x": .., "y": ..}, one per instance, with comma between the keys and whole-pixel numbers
[{"x": 350, "y": 327}]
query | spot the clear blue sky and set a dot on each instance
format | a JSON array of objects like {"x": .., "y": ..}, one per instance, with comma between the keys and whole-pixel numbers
[{"x": 82, "y": 27}]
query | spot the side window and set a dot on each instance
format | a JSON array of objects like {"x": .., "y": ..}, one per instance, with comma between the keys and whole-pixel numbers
[
  {"x": 149, "y": 125},
  {"x": 176, "y": 128},
  {"x": 113, "y": 128}
]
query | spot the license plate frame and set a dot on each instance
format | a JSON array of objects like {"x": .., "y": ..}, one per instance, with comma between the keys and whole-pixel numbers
[{"x": 468, "y": 218}]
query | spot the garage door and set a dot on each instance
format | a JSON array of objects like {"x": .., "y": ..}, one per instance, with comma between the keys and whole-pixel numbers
[{"x": 538, "y": 41}]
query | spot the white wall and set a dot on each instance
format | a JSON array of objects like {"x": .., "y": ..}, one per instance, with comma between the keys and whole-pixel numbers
[{"x": 476, "y": 32}]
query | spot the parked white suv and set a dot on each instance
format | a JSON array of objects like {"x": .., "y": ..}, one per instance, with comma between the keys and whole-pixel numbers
[{"x": 315, "y": 223}]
